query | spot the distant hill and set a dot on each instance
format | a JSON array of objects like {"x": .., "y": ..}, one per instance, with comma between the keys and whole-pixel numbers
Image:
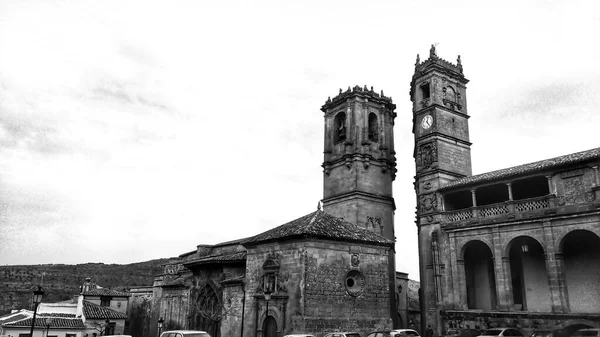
[{"x": 62, "y": 281}]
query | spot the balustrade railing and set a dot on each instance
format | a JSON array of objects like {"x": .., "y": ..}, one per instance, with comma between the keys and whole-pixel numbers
[
  {"x": 532, "y": 204},
  {"x": 491, "y": 211},
  {"x": 460, "y": 215}
]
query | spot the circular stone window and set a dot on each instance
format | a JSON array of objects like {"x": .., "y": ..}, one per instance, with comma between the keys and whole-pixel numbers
[{"x": 355, "y": 282}]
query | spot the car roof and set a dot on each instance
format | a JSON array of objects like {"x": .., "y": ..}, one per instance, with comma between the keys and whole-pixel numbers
[{"x": 183, "y": 331}]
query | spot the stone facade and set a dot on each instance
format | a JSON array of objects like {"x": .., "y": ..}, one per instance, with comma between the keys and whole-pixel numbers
[
  {"x": 515, "y": 247},
  {"x": 322, "y": 273}
]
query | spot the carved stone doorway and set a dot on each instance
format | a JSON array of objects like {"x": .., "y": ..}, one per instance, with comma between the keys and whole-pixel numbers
[{"x": 270, "y": 327}]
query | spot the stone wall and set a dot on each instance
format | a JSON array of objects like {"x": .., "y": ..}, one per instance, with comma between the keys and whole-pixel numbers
[
  {"x": 139, "y": 312},
  {"x": 315, "y": 299}
]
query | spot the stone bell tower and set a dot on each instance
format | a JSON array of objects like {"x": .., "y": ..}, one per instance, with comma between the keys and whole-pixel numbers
[
  {"x": 360, "y": 164},
  {"x": 442, "y": 153}
]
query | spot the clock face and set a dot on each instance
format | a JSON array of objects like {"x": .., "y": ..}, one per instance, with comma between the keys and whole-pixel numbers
[{"x": 426, "y": 122}]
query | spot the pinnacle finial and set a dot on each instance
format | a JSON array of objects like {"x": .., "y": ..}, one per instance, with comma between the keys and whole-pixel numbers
[
  {"x": 418, "y": 60},
  {"x": 432, "y": 51},
  {"x": 458, "y": 60},
  {"x": 319, "y": 205}
]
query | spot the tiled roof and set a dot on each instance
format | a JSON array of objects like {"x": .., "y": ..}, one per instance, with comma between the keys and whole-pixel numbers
[
  {"x": 322, "y": 226},
  {"x": 91, "y": 311},
  {"x": 106, "y": 292},
  {"x": 573, "y": 158},
  {"x": 221, "y": 258},
  {"x": 57, "y": 314},
  {"x": 8, "y": 318},
  {"x": 54, "y": 322}
]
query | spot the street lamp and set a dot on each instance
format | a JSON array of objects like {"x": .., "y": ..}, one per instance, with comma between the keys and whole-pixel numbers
[
  {"x": 160, "y": 325},
  {"x": 37, "y": 299}
]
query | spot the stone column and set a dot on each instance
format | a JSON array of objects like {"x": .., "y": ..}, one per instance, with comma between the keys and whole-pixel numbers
[
  {"x": 550, "y": 185},
  {"x": 562, "y": 285},
  {"x": 596, "y": 176},
  {"x": 508, "y": 282},
  {"x": 511, "y": 205},
  {"x": 474, "y": 201},
  {"x": 454, "y": 294},
  {"x": 502, "y": 295},
  {"x": 462, "y": 284},
  {"x": 554, "y": 270}
]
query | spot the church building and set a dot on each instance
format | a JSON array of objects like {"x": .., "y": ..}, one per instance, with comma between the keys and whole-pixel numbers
[
  {"x": 517, "y": 247},
  {"x": 330, "y": 270}
]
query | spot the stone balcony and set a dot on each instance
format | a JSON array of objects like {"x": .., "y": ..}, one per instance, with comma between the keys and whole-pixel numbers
[{"x": 537, "y": 207}]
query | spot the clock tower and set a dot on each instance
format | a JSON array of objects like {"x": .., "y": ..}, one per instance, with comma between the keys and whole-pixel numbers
[{"x": 442, "y": 153}]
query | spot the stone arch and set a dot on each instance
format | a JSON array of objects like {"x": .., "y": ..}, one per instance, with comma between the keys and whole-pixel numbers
[
  {"x": 480, "y": 279},
  {"x": 509, "y": 240},
  {"x": 373, "y": 129},
  {"x": 580, "y": 255},
  {"x": 483, "y": 239},
  {"x": 274, "y": 313},
  {"x": 528, "y": 274},
  {"x": 450, "y": 94},
  {"x": 560, "y": 239},
  {"x": 340, "y": 127}
]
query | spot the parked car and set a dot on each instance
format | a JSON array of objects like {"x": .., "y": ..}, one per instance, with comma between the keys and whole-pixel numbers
[
  {"x": 587, "y": 333},
  {"x": 384, "y": 333},
  {"x": 502, "y": 332},
  {"x": 549, "y": 333},
  {"x": 299, "y": 335},
  {"x": 342, "y": 334},
  {"x": 462, "y": 332},
  {"x": 184, "y": 333},
  {"x": 406, "y": 333}
]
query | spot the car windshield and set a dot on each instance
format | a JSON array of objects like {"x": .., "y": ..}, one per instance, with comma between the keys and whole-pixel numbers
[
  {"x": 352, "y": 335},
  {"x": 492, "y": 332}
]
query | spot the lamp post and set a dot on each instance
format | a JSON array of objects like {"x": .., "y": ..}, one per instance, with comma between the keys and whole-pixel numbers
[
  {"x": 160, "y": 325},
  {"x": 37, "y": 299}
]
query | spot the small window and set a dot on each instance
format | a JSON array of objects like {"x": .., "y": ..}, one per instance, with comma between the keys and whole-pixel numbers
[
  {"x": 340, "y": 127},
  {"x": 105, "y": 301},
  {"x": 70, "y": 335},
  {"x": 425, "y": 90},
  {"x": 373, "y": 128}
]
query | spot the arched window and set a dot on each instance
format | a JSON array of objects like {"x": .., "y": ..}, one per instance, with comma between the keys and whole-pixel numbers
[
  {"x": 449, "y": 94},
  {"x": 340, "y": 127},
  {"x": 209, "y": 309},
  {"x": 373, "y": 128}
]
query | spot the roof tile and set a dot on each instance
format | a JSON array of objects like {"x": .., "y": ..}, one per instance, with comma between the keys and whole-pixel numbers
[
  {"x": 551, "y": 163},
  {"x": 91, "y": 311},
  {"x": 106, "y": 292},
  {"x": 320, "y": 225},
  {"x": 54, "y": 322}
]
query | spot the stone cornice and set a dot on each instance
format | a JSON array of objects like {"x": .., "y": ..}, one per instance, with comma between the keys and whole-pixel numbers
[{"x": 357, "y": 91}]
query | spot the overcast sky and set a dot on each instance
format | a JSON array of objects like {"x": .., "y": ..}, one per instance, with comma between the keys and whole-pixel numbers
[{"x": 135, "y": 130}]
